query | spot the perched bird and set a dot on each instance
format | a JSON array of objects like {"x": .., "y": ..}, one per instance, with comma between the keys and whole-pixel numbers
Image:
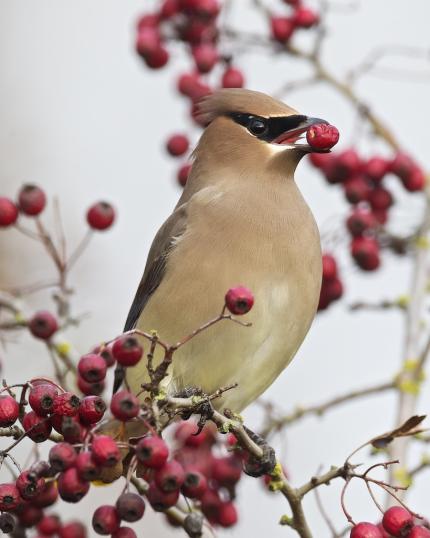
[{"x": 240, "y": 220}]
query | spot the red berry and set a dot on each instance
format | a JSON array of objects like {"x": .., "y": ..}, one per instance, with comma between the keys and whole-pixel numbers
[
  {"x": 305, "y": 18},
  {"x": 239, "y": 300},
  {"x": 376, "y": 168},
  {"x": 380, "y": 198},
  {"x": 183, "y": 173},
  {"x": 92, "y": 368},
  {"x": 91, "y": 410},
  {"x": 160, "y": 500},
  {"x": 158, "y": 58},
  {"x": 169, "y": 8},
  {"x": 232, "y": 78},
  {"x": 8, "y": 212},
  {"x": 419, "y": 532},
  {"x": 9, "y": 497},
  {"x": 227, "y": 515},
  {"x": 415, "y": 181},
  {"x": 31, "y": 200},
  {"x": 333, "y": 289},
  {"x": 205, "y": 8},
  {"x": 282, "y": 28},
  {"x": 90, "y": 389},
  {"x": 100, "y": 216},
  {"x": 186, "y": 434},
  {"x": 177, "y": 145},
  {"x": 124, "y": 405},
  {"x": 170, "y": 477},
  {"x": 227, "y": 471},
  {"x": 365, "y": 251},
  {"x": 105, "y": 352},
  {"x": 9, "y": 410},
  {"x": 29, "y": 516},
  {"x": 360, "y": 221},
  {"x": 38, "y": 428},
  {"x": 402, "y": 165},
  {"x": 66, "y": 404},
  {"x": 348, "y": 163},
  {"x": 72, "y": 530},
  {"x": 43, "y": 325},
  {"x": 365, "y": 530},
  {"x": 152, "y": 451},
  {"x": 329, "y": 267},
  {"x": 106, "y": 520},
  {"x": 62, "y": 456},
  {"x": 49, "y": 525},
  {"x": 321, "y": 160},
  {"x": 47, "y": 496},
  {"x": 397, "y": 521},
  {"x": 357, "y": 189},
  {"x": 7, "y": 523},
  {"x": 187, "y": 83},
  {"x": 124, "y": 532},
  {"x": 86, "y": 467},
  {"x": 130, "y": 507},
  {"x": 105, "y": 451},
  {"x": 71, "y": 487},
  {"x": 70, "y": 427},
  {"x": 195, "y": 484},
  {"x": 322, "y": 136},
  {"x": 127, "y": 350},
  {"x": 41, "y": 398},
  {"x": 148, "y": 20},
  {"x": 28, "y": 485},
  {"x": 205, "y": 57},
  {"x": 148, "y": 41},
  {"x": 211, "y": 505}
]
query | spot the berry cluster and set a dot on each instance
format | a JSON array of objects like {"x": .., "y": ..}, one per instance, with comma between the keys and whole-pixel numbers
[{"x": 396, "y": 523}]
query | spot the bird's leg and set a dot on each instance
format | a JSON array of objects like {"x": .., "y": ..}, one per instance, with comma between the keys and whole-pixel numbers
[{"x": 259, "y": 466}]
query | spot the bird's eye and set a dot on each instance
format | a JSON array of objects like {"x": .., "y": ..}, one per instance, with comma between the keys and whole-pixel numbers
[{"x": 257, "y": 126}]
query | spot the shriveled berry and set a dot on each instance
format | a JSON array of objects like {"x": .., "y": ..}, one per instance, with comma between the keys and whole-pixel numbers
[
  {"x": 152, "y": 451},
  {"x": 130, "y": 507},
  {"x": 7, "y": 523},
  {"x": 161, "y": 500},
  {"x": 170, "y": 477},
  {"x": 28, "y": 485},
  {"x": 92, "y": 368},
  {"x": 31, "y": 200},
  {"x": 100, "y": 216},
  {"x": 124, "y": 532},
  {"x": 41, "y": 398},
  {"x": 90, "y": 389},
  {"x": 227, "y": 515},
  {"x": 43, "y": 325},
  {"x": 124, "y": 405},
  {"x": 62, "y": 456},
  {"x": 232, "y": 78},
  {"x": 49, "y": 525},
  {"x": 66, "y": 404},
  {"x": 322, "y": 136},
  {"x": 73, "y": 529},
  {"x": 282, "y": 28},
  {"x": 177, "y": 145},
  {"x": 127, "y": 350},
  {"x": 106, "y": 520},
  {"x": 195, "y": 484},
  {"x": 397, "y": 521},
  {"x": 38, "y": 429},
  {"x": 8, "y": 212},
  {"x": 105, "y": 451},
  {"x": 239, "y": 300},
  {"x": 70, "y": 427},
  {"x": 9, "y": 410},
  {"x": 71, "y": 487},
  {"x": 91, "y": 409},
  {"x": 9, "y": 497},
  {"x": 86, "y": 467}
]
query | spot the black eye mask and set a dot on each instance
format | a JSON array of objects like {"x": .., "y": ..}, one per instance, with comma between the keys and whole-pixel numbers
[{"x": 268, "y": 129}]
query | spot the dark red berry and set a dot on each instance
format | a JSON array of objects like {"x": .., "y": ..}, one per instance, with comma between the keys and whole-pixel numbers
[
  {"x": 365, "y": 530},
  {"x": 195, "y": 484},
  {"x": 28, "y": 485},
  {"x": 71, "y": 487},
  {"x": 211, "y": 505},
  {"x": 376, "y": 168},
  {"x": 177, "y": 145},
  {"x": 183, "y": 173},
  {"x": 329, "y": 267},
  {"x": 9, "y": 497},
  {"x": 130, "y": 507},
  {"x": 106, "y": 520},
  {"x": 90, "y": 389},
  {"x": 124, "y": 532},
  {"x": 380, "y": 198},
  {"x": 124, "y": 405},
  {"x": 158, "y": 58},
  {"x": 66, "y": 404},
  {"x": 106, "y": 353},
  {"x": 7, "y": 523},
  {"x": 92, "y": 368},
  {"x": 282, "y": 28},
  {"x": 397, "y": 521},
  {"x": 419, "y": 532},
  {"x": 31, "y": 200},
  {"x": 29, "y": 516},
  {"x": 169, "y": 8},
  {"x": 333, "y": 289},
  {"x": 402, "y": 165},
  {"x": 72, "y": 530},
  {"x": 86, "y": 467},
  {"x": 100, "y": 216},
  {"x": 62, "y": 456},
  {"x": 91, "y": 410},
  {"x": 360, "y": 221},
  {"x": 127, "y": 350},
  {"x": 365, "y": 251},
  {"x": 159, "y": 499},
  {"x": 105, "y": 451},
  {"x": 186, "y": 433},
  {"x": 41, "y": 398},
  {"x": 43, "y": 325},
  {"x": 47, "y": 496},
  {"x": 49, "y": 525},
  {"x": 38, "y": 429},
  {"x": 227, "y": 515},
  {"x": 227, "y": 471},
  {"x": 8, "y": 212},
  {"x": 70, "y": 427},
  {"x": 322, "y": 136},
  {"x": 152, "y": 451},
  {"x": 357, "y": 189},
  {"x": 9, "y": 410},
  {"x": 239, "y": 300},
  {"x": 232, "y": 78},
  {"x": 170, "y": 477},
  {"x": 415, "y": 181}
]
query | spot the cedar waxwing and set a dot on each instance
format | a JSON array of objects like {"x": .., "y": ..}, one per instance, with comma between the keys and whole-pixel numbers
[{"x": 241, "y": 220}]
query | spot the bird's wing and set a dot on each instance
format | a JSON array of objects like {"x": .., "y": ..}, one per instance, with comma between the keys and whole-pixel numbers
[{"x": 164, "y": 242}]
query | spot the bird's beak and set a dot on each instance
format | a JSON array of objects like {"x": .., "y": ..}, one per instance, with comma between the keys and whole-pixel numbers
[{"x": 296, "y": 137}]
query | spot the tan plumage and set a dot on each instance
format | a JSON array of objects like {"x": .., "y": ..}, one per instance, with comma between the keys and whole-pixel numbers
[{"x": 240, "y": 220}]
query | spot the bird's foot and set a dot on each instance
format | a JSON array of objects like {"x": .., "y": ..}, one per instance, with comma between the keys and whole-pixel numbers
[
  {"x": 203, "y": 406},
  {"x": 260, "y": 466}
]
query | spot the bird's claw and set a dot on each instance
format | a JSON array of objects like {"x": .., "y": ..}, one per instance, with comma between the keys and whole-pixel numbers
[{"x": 257, "y": 467}]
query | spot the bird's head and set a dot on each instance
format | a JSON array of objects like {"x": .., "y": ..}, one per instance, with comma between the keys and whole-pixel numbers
[{"x": 250, "y": 129}]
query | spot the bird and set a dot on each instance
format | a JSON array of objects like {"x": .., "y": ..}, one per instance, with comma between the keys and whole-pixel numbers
[{"x": 241, "y": 220}]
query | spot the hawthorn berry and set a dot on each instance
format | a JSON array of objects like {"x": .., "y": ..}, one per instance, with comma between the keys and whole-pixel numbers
[
  {"x": 239, "y": 300},
  {"x": 8, "y": 212},
  {"x": 365, "y": 251},
  {"x": 152, "y": 451},
  {"x": 402, "y": 165},
  {"x": 357, "y": 189},
  {"x": 29, "y": 516},
  {"x": 329, "y": 267},
  {"x": 90, "y": 389},
  {"x": 100, "y": 216},
  {"x": 105, "y": 451},
  {"x": 415, "y": 181},
  {"x": 205, "y": 57},
  {"x": 28, "y": 485},
  {"x": 183, "y": 173},
  {"x": 105, "y": 352},
  {"x": 66, "y": 404},
  {"x": 130, "y": 507},
  {"x": 305, "y": 18},
  {"x": 31, "y": 200},
  {"x": 365, "y": 530},
  {"x": 124, "y": 405},
  {"x": 124, "y": 532},
  {"x": 86, "y": 467},
  {"x": 47, "y": 496},
  {"x": 73, "y": 529},
  {"x": 158, "y": 58},
  {"x": 161, "y": 500},
  {"x": 170, "y": 477},
  {"x": 127, "y": 350},
  {"x": 282, "y": 28},
  {"x": 322, "y": 136},
  {"x": 360, "y": 221},
  {"x": 186, "y": 433},
  {"x": 195, "y": 484},
  {"x": 43, "y": 325},
  {"x": 41, "y": 398},
  {"x": 177, "y": 145},
  {"x": 169, "y": 8},
  {"x": 419, "y": 532},
  {"x": 38, "y": 429},
  {"x": 227, "y": 471},
  {"x": 376, "y": 168},
  {"x": 147, "y": 41},
  {"x": 380, "y": 198},
  {"x": 227, "y": 515},
  {"x": 106, "y": 520},
  {"x": 92, "y": 368},
  {"x": 9, "y": 497},
  {"x": 9, "y": 410},
  {"x": 49, "y": 525},
  {"x": 7, "y": 523},
  {"x": 232, "y": 78},
  {"x": 71, "y": 487},
  {"x": 91, "y": 410},
  {"x": 397, "y": 521},
  {"x": 211, "y": 505},
  {"x": 62, "y": 456}
]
